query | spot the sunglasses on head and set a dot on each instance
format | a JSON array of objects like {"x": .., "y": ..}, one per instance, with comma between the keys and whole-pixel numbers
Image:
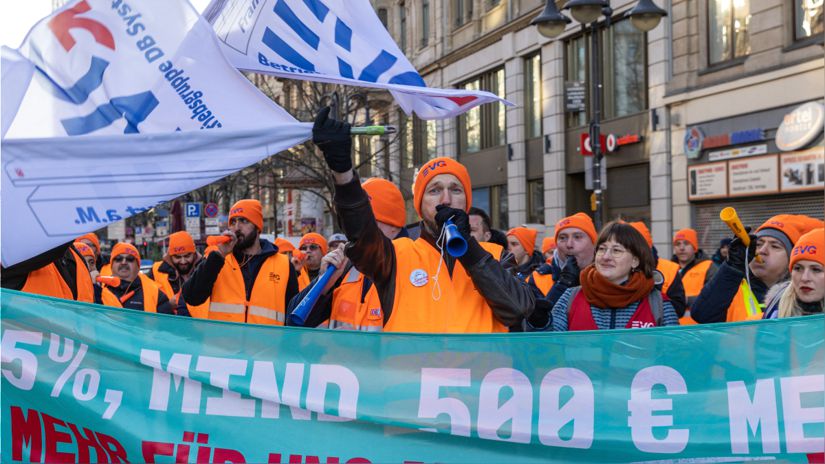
[
  {"x": 310, "y": 247},
  {"x": 127, "y": 258}
]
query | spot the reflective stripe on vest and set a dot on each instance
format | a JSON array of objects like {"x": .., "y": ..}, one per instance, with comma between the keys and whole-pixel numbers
[
  {"x": 266, "y": 303},
  {"x": 694, "y": 279},
  {"x": 348, "y": 312},
  {"x": 745, "y": 305},
  {"x": 669, "y": 269},
  {"x": 417, "y": 306}
]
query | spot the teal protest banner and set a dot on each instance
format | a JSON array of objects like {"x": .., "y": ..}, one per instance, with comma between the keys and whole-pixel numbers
[{"x": 86, "y": 383}]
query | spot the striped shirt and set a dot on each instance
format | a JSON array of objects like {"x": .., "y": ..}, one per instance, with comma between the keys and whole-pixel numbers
[{"x": 602, "y": 317}]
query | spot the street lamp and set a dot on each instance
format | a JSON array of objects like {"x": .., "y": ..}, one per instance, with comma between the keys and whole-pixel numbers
[{"x": 551, "y": 23}]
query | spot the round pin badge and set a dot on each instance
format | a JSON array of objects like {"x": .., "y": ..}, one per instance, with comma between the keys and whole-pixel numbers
[{"x": 419, "y": 278}]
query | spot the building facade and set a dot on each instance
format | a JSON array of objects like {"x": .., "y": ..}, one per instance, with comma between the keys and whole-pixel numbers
[{"x": 725, "y": 66}]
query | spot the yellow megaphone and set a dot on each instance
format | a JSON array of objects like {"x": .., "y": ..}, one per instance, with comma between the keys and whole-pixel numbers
[{"x": 729, "y": 217}]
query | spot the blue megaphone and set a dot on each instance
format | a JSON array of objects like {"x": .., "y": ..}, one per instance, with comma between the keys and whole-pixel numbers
[
  {"x": 299, "y": 315},
  {"x": 455, "y": 242}
]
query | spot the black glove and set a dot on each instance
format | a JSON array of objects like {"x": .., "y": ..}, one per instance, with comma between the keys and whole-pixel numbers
[
  {"x": 569, "y": 275},
  {"x": 736, "y": 252},
  {"x": 459, "y": 217},
  {"x": 334, "y": 139},
  {"x": 541, "y": 316}
]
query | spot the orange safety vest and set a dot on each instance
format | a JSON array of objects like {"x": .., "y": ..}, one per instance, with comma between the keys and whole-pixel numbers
[
  {"x": 744, "y": 306},
  {"x": 200, "y": 311},
  {"x": 669, "y": 269},
  {"x": 303, "y": 279},
  {"x": 48, "y": 281},
  {"x": 694, "y": 280},
  {"x": 349, "y": 312},
  {"x": 543, "y": 282},
  {"x": 162, "y": 279},
  {"x": 266, "y": 304},
  {"x": 418, "y": 307},
  {"x": 151, "y": 292}
]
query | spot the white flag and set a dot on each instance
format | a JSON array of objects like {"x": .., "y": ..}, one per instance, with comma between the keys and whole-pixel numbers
[
  {"x": 112, "y": 106},
  {"x": 334, "y": 41}
]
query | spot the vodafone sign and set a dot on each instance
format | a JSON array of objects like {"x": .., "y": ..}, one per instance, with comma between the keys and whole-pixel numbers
[{"x": 609, "y": 143}]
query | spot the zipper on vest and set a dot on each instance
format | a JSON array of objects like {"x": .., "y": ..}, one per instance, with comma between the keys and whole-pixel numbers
[{"x": 612, "y": 318}]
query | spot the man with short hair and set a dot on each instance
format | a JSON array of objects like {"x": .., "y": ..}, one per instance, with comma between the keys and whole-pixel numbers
[
  {"x": 421, "y": 287},
  {"x": 521, "y": 243},
  {"x": 694, "y": 267},
  {"x": 313, "y": 247},
  {"x": 136, "y": 291},
  {"x": 479, "y": 224},
  {"x": 575, "y": 238},
  {"x": 176, "y": 267},
  {"x": 246, "y": 280}
]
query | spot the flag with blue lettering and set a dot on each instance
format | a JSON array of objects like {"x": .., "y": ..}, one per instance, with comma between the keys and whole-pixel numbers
[
  {"x": 111, "y": 106},
  {"x": 333, "y": 41}
]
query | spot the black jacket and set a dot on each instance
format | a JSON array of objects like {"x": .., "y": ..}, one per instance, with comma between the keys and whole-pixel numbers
[
  {"x": 712, "y": 303},
  {"x": 136, "y": 300},
  {"x": 198, "y": 288},
  {"x": 373, "y": 254}
]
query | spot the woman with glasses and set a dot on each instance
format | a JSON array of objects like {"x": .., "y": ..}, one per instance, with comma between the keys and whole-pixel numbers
[
  {"x": 617, "y": 291},
  {"x": 804, "y": 294}
]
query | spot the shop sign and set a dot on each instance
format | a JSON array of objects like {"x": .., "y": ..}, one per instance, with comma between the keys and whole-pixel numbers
[
  {"x": 803, "y": 170},
  {"x": 753, "y": 176},
  {"x": 610, "y": 142},
  {"x": 707, "y": 181},
  {"x": 734, "y": 138},
  {"x": 575, "y": 96},
  {"x": 693, "y": 142},
  {"x": 742, "y": 152},
  {"x": 801, "y": 126},
  {"x": 629, "y": 139}
]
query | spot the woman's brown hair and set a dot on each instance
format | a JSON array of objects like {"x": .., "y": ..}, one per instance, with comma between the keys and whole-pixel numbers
[{"x": 625, "y": 235}]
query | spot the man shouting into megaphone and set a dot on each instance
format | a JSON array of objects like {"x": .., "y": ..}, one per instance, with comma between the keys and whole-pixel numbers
[{"x": 421, "y": 287}]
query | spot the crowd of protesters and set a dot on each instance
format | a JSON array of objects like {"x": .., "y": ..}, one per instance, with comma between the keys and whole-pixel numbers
[{"x": 388, "y": 277}]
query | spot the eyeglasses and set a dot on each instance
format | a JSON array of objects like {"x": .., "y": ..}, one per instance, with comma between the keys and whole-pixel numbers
[
  {"x": 310, "y": 247},
  {"x": 614, "y": 252},
  {"x": 126, "y": 258}
]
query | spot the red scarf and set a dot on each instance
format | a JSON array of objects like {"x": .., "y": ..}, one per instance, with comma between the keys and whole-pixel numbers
[{"x": 603, "y": 293}]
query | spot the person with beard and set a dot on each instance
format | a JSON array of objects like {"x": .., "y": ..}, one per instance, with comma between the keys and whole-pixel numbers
[
  {"x": 176, "y": 267},
  {"x": 420, "y": 286},
  {"x": 246, "y": 280},
  {"x": 136, "y": 291},
  {"x": 313, "y": 247}
]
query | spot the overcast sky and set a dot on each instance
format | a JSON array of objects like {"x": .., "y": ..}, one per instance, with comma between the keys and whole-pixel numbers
[{"x": 18, "y": 16}]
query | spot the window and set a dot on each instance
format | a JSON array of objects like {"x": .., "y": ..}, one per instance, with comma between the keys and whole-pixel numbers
[
  {"x": 463, "y": 11},
  {"x": 425, "y": 141},
  {"x": 532, "y": 96},
  {"x": 624, "y": 70},
  {"x": 577, "y": 70},
  {"x": 728, "y": 26},
  {"x": 483, "y": 127},
  {"x": 425, "y": 22},
  {"x": 383, "y": 17},
  {"x": 807, "y": 18},
  {"x": 492, "y": 4},
  {"x": 402, "y": 29},
  {"x": 623, "y": 73},
  {"x": 535, "y": 201},
  {"x": 493, "y": 200}
]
